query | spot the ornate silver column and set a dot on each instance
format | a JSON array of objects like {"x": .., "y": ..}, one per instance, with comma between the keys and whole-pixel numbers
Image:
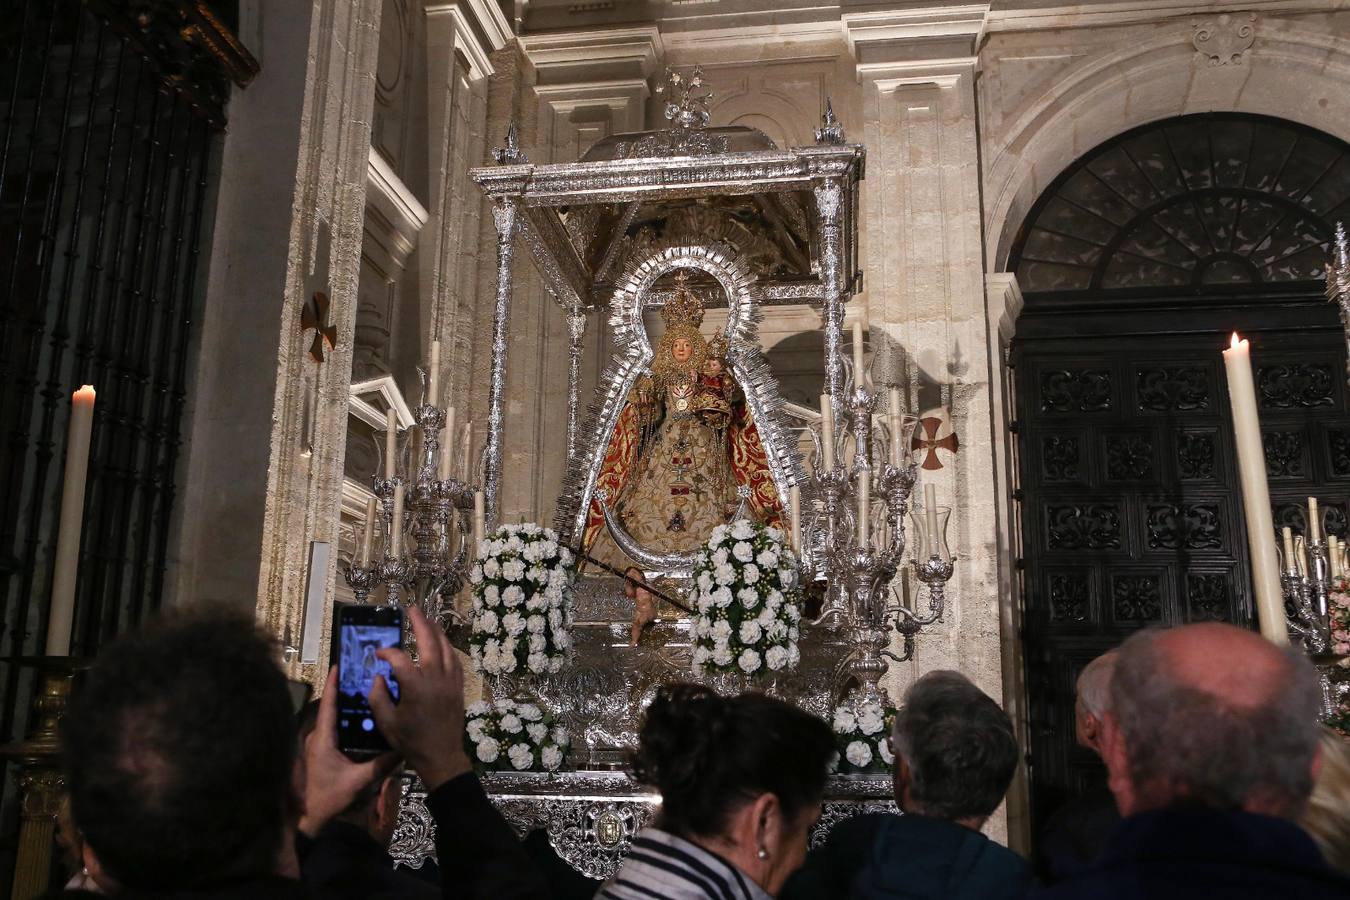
[
  {"x": 506, "y": 217},
  {"x": 829, "y": 196},
  {"x": 576, "y": 329}
]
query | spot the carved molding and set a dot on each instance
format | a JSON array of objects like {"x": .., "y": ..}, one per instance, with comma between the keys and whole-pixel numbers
[
  {"x": 394, "y": 215},
  {"x": 1223, "y": 41}
]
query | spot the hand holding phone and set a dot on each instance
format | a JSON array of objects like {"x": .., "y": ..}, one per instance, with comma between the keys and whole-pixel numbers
[
  {"x": 427, "y": 724},
  {"x": 332, "y": 779},
  {"x": 360, "y": 633}
]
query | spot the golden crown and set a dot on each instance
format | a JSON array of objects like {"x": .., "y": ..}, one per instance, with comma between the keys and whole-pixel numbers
[{"x": 684, "y": 308}]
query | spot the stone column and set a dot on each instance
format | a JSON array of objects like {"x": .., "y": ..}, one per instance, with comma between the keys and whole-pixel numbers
[{"x": 925, "y": 289}]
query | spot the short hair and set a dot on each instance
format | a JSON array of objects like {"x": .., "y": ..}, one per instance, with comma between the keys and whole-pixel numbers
[
  {"x": 959, "y": 747},
  {"x": 1327, "y": 817},
  {"x": 1190, "y": 747},
  {"x": 1094, "y": 684},
  {"x": 179, "y": 750},
  {"x": 708, "y": 755}
]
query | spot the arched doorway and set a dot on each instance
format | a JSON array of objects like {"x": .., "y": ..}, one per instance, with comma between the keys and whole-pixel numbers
[{"x": 1135, "y": 264}]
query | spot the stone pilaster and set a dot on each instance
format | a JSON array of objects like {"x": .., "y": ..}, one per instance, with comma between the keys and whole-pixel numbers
[{"x": 925, "y": 290}]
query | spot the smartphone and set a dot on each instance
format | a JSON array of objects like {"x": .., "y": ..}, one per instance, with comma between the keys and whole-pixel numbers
[{"x": 360, "y": 631}]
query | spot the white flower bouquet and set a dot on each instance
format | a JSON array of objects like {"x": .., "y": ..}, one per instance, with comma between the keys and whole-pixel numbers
[
  {"x": 747, "y": 601},
  {"x": 522, "y": 602},
  {"x": 862, "y": 731},
  {"x": 513, "y": 737}
]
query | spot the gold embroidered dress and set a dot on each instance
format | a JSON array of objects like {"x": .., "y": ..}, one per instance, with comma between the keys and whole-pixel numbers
[{"x": 682, "y": 445}]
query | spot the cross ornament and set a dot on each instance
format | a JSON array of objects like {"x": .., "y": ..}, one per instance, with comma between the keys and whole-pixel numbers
[
  {"x": 927, "y": 442},
  {"x": 314, "y": 314}
]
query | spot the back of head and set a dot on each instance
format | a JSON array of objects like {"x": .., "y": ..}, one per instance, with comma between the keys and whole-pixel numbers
[
  {"x": 959, "y": 747},
  {"x": 179, "y": 749},
  {"x": 1094, "y": 684},
  {"x": 1213, "y": 716},
  {"x": 1327, "y": 817},
  {"x": 708, "y": 755}
]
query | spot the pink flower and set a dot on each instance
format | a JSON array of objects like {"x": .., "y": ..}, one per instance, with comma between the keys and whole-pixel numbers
[{"x": 1340, "y": 647}]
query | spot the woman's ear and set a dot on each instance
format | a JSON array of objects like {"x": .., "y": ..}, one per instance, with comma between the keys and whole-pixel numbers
[{"x": 769, "y": 825}]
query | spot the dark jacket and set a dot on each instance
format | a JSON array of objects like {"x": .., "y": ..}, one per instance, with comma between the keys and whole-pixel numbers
[
  {"x": 479, "y": 854},
  {"x": 912, "y": 857},
  {"x": 1196, "y": 854},
  {"x": 1075, "y": 835},
  {"x": 346, "y": 863}
]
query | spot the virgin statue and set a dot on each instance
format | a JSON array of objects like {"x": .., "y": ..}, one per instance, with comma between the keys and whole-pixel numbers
[{"x": 684, "y": 442}]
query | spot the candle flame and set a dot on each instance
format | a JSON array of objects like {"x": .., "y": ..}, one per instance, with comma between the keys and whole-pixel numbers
[
  {"x": 85, "y": 392},
  {"x": 1235, "y": 340}
]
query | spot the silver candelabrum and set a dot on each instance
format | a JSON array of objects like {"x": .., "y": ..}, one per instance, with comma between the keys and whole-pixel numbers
[
  {"x": 429, "y": 561},
  {"x": 857, "y": 564},
  {"x": 1306, "y": 593}
]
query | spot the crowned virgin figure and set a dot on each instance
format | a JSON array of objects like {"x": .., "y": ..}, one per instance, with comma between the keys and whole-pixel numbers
[{"x": 684, "y": 442}]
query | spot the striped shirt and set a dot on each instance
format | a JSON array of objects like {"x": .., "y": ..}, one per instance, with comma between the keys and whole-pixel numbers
[{"x": 661, "y": 866}]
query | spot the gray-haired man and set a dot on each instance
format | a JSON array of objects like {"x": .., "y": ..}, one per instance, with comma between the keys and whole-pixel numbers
[{"x": 955, "y": 755}]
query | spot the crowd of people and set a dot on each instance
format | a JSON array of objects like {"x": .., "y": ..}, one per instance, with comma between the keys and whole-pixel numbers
[{"x": 189, "y": 775}]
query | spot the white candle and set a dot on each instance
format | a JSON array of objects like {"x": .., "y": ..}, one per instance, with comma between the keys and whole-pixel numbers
[
  {"x": 893, "y": 419},
  {"x": 1333, "y": 563},
  {"x": 1290, "y": 561},
  {"x": 857, "y": 354},
  {"x": 390, "y": 442},
  {"x": 1314, "y": 521},
  {"x": 368, "y": 537},
  {"x": 396, "y": 529},
  {"x": 864, "y": 507},
  {"x": 465, "y": 448},
  {"x": 1255, "y": 492},
  {"x": 447, "y": 460},
  {"x": 930, "y": 517},
  {"x": 1301, "y": 556},
  {"x": 827, "y": 432},
  {"x": 795, "y": 507},
  {"x": 434, "y": 375},
  {"x": 65, "y": 565},
  {"x": 478, "y": 516}
]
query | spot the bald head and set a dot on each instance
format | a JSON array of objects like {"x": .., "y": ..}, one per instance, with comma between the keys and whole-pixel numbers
[
  {"x": 1093, "y": 699},
  {"x": 1213, "y": 716}
]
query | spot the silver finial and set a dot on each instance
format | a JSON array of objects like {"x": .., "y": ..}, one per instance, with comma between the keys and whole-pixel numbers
[
  {"x": 831, "y": 130},
  {"x": 686, "y": 98},
  {"x": 511, "y": 154}
]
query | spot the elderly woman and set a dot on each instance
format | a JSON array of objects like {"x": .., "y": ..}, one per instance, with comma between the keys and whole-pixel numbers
[{"x": 741, "y": 781}]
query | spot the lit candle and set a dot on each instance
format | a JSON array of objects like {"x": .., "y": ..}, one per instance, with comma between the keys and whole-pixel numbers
[
  {"x": 795, "y": 506},
  {"x": 1314, "y": 521},
  {"x": 368, "y": 538},
  {"x": 1255, "y": 492},
  {"x": 390, "y": 441},
  {"x": 447, "y": 460},
  {"x": 930, "y": 517},
  {"x": 827, "y": 432},
  {"x": 864, "y": 507},
  {"x": 396, "y": 528},
  {"x": 857, "y": 354},
  {"x": 67, "y": 559},
  {"x": 1290, "y": 561},
  {"x": 434, "y": 376},
  {"x": 893, "y": 418},
  {"x": 478, "y": 516}
]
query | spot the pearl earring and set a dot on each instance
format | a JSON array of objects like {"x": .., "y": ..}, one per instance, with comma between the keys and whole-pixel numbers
[{"x": 762, "y": 854}]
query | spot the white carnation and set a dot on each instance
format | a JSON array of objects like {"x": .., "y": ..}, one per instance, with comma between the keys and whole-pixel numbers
[
  {"x": 489, "y": 622},
  {"x": 701, "y": 656},
  {"x": 749, "y": 661},
  {"x": 491, "y": 595},
  {"x": 767, "y": 558},
  {"x": 858, "y": 753},
  {"x": 787, "y": 577},
  {"x": 722, "y": 597},
  {"x": 883, "y": 748},
  {"x": 844, "y": 720},
  {"x": 492, "y": 568},
  {"x": 705, "y": 582},
  {"x": 537, "y": 575},
  {"x": 505, "y": 706},
  {"x": 513, "y": 623},
  {"x": 522, "y": 757},
  {"x": 750, "y": 574},
  {"x": 794, "y": 656},
  {"x": 478, "y": 708},
  {"x": 750, "y": 632},
  {"x": 475, "y": 729},
  {"x": 535, "y": 624},
  {"x": 749, "y": 597},
  {"x": 513, "y": 570},
  {"x": 488, "y": 750},
  {"x": 513, "y": 596},
  {"x": 529, "y": 712},
  {"x": 743, "y": 552},
  {"x": 538, "y": 643},
  {"x": 511, "y": 723},
  {"x": 720, "y": 557},
  {"x": 721, "y": 631},
  {"x": 476, "y": 573},
  {"x": 552, "y": 758},
  {"x": 719, "y": 534},
  {"x": 537, "y": 662},
  {"x": 741, "y": 530},
  {"x": 537, "y": 731},
  {"x": 560, "y": 736},
  {"x": 775, "y": 600},
  {"x": 871, "y": 721},
  {"x": 722, "y": 655},
  {"x": 774, "y": 534},
  {"x": 724, "y": 574},
  {"x": 775, "y": 658},
  {"x": 555, "y": 665}
]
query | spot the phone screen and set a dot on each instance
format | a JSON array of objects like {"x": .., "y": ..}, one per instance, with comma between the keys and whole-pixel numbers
[{"x": 361, "y": 631}]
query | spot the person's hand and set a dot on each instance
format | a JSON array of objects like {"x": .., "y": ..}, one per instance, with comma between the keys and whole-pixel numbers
[
  {"x": 332, "y": 779},
  {"x": 427, "y": 723}
]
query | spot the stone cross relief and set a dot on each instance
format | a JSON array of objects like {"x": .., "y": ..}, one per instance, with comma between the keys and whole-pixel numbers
[{"x": 314, "y": 314}]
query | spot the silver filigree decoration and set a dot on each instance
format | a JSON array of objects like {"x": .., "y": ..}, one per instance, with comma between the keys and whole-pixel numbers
[
  {"x": 745, "y": 360},
  {"x": 1338, "y": 282},
  {"x": 510, "y": 154},
  {"x": 1222, "y": 42},
  {"x": 414, "y": 840},
  {"x": 687, "y": 98}
]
